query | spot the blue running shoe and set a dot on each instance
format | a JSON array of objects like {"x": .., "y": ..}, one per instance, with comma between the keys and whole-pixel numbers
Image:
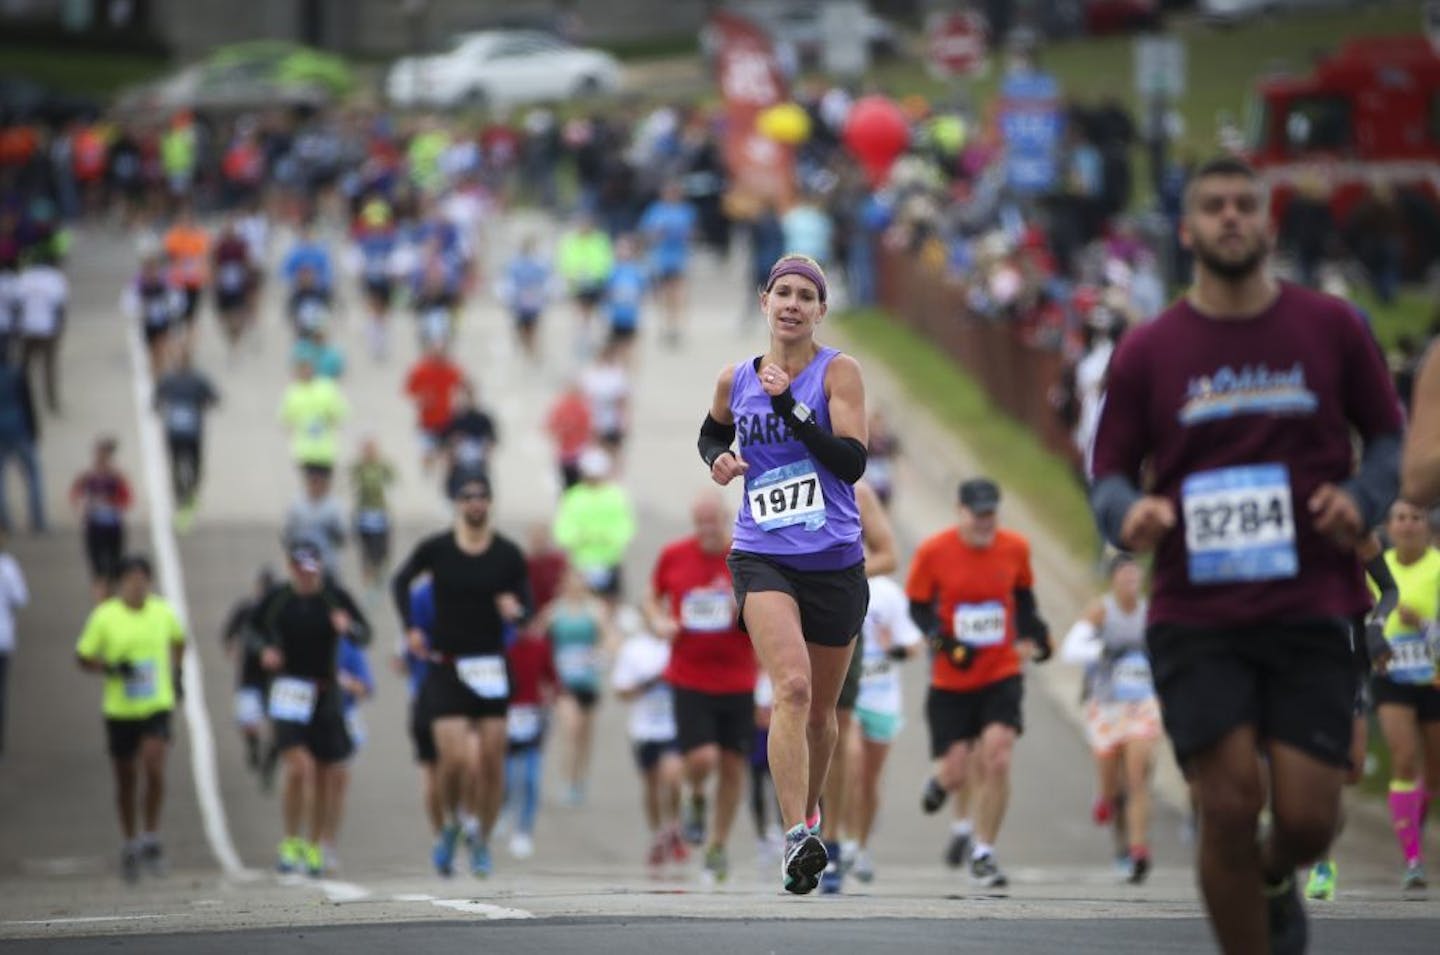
[
  {"x": 443, "y": 855},
  {"x": 832, "y": 879},
  {"x": 480, "y": 864}
]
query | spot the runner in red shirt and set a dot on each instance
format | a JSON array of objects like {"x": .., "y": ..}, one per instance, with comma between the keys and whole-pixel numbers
[
  {"x": 570, "y": 427},
  {"x": 712, "y": 670},
  {"x": 432, "y": 383},
  {"x": 533, "y": 684}
]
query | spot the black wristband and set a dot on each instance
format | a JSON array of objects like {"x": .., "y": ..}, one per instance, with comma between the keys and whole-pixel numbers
[{"x": 784, "y": 405}]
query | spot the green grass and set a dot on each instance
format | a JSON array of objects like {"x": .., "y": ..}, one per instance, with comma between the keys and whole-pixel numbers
[
  {"x": 75, "y": 71},
  {"x": 1012, "y": 455},
  {"x": 1412, "y": 314},
  {"x": 654, "y": 47}
]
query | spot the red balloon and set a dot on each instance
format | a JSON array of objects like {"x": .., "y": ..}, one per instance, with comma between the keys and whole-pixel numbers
[{"x": 876, "y": 132}]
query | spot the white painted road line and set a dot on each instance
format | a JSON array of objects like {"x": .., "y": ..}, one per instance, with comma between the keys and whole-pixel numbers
[
  {"x": 80, "y": 920},
  {"x": 482, "y": 909},
  {"x": 172, "y": 585}
]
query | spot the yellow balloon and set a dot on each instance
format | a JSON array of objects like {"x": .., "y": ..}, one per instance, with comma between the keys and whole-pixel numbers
[{"x": 785, "y": 123}]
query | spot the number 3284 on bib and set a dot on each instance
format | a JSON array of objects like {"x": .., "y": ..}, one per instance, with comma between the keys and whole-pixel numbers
[{"x": 1240, "y": 525}]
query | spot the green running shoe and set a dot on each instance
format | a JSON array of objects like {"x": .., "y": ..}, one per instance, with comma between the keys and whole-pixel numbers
[
  {"x": 1321, "y": 885},
  {"x": 314, "y": 859},
  {"x": 291, "y": 855}
]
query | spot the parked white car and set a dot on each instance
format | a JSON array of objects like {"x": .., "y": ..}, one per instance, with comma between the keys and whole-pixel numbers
[{"x": 502, "y": 68}]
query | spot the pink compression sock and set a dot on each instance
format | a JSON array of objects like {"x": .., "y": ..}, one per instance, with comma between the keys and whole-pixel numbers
[{"x": 1405, "y": 802}]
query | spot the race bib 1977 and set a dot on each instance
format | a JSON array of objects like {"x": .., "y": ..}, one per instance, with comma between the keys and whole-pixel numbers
[{"x": 788, "y": 495}]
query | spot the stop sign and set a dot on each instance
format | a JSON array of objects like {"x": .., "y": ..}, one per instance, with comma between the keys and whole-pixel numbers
[{"x": 957, "y": 44}]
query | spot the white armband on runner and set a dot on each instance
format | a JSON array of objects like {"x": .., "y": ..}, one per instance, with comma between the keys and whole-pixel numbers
[{"x": 1081, "y": 645}]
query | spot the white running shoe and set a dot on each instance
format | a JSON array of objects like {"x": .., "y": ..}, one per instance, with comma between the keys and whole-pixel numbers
[{"x": 522, "y": 846}]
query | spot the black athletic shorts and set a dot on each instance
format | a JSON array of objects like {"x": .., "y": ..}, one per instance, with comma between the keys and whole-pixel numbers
[
  {"x": 525, "y": 317},
  {"x": 960, "y": 716},
  {"x": 104, "y": 543},
  {"x": 590, "y": 295},
  {"x": 123, "y": 736},
  {"x": 584, "y": 696},
  {"x": 422, "y": 736},
  {"x": 621, "y": 334},
  {"x": 1294, "y": 682},
  {"x": 726, "y": 720},
  {"x": 191, "y": 297},
  {"x": 379, "y": 291},
  {"x": 374, "y": 547},
  {"x": 230, "y": 301},
  {"x": 444, "y": 694},
  {"x": 1424, "y": 699},
  {"x": 325, "y": 736},
  {"x": 832, "y": 602},
  {"x": 850, "y": 689},
  {"x": 649, "y": 753},
  {"x": 154, "y": 333},
  {"x": 606, "y": 582}
]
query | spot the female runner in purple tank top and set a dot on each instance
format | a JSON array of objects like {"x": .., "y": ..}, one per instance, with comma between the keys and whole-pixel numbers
[{"x": 797, "y": 562}]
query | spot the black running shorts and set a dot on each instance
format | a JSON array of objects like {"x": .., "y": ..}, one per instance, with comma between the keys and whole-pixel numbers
[
  {"x": 1423, "y": 699},
  {"x": 726, "y": 720},
  {"x": 832, "y": 602},
  {"x": 445, "y": 695},
  {"x": 960, "y": 716},
  {"x": 421, "y": 735},
  {"x": 1294, "y": 682},
  {"x": 123, "y": 736},
  {"x": 325, "y": 736}
]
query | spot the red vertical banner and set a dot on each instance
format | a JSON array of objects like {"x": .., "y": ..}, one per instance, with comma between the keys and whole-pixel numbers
[{"x": 751, "y": 81}]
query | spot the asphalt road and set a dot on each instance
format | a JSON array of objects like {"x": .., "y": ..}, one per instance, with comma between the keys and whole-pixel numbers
[{"x": 587, "y": 883}]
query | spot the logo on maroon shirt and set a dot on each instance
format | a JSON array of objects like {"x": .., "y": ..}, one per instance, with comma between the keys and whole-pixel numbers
[{"x": 1251, "y": 389}]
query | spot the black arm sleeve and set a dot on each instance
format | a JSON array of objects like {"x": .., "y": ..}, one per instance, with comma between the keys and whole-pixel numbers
[
  {"x": 360, "y": 629},
  {"x": 843, "y": 457},
  {"x": 1379, "y": 571},
  {"x": 417, "y": 563},
  {"x": 1377, "y": 482},
  {"x": 1029, "y": 623},
  {"x": 925, "y": 617},
  {"x": 715, "y": 440}
]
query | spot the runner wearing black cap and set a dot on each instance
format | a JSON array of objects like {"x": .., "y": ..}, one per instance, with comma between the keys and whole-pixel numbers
[
  {"x": 970, "y": 594},
  {"x": 301, "y": 623},
  {"x": 481, "y": 590}
]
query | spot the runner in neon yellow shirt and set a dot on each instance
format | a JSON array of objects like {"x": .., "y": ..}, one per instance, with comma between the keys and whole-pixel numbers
[
  {"x": 313, "y": 409},
  {"x": 136, "y": 641},
  {"x": 1407, "y": 699},
  {"x": 595, "y": 525},
  {"x": 586, "y": 260}
]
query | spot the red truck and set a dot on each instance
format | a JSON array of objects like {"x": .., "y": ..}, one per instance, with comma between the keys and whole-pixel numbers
[{"x": 1366, "y": 116}]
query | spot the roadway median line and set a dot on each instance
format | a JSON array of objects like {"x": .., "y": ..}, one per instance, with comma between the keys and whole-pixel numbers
[{"x": 172, "y": 585}]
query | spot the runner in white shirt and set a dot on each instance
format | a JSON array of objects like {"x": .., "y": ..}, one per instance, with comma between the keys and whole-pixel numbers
[
  {"x": 41, "y": 294},
  {"x": 606, "y": 384},
  {"x": 638, "y": 679},
  {"x": 889, "y": 637}
]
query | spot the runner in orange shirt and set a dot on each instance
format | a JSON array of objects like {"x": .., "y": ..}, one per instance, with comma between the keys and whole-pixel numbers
[
  {"x": 970, "y": 594},
  {"x": 187, "y": 249}
]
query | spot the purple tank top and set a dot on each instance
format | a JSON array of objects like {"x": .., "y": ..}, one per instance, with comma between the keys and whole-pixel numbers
[{"x": 795, "y": 511}]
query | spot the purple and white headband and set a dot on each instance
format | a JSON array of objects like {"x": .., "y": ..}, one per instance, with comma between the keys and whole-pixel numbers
[{"x": 801, "y": 267}]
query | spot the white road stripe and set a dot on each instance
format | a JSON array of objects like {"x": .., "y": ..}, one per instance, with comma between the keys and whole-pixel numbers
[
  {"x": 172, "y": 585},
  {"x": 91, "y": 918},
  {"x": 482, "y": 909}
]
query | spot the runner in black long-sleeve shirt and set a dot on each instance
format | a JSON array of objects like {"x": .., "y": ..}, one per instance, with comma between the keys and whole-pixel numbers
[
  {"x": 481, "y": 588},
  {"x": 302, "y": 623}
]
